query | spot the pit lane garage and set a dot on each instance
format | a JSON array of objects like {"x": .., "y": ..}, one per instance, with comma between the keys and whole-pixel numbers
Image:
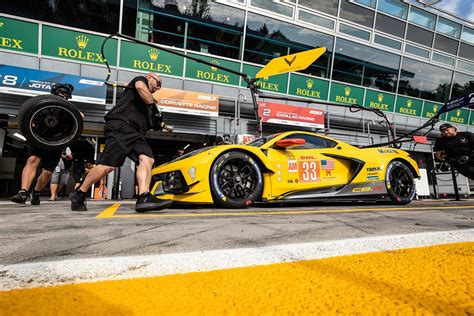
[{"x": 232, "y": 184}]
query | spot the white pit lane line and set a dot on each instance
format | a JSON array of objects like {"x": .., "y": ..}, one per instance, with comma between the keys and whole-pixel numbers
[{"x": 29, "y": 275}]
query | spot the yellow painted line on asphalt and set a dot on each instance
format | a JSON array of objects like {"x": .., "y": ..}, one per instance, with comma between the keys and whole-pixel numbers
[
  {"x": 110, "y": 212},
  {"x": 434, "y": 280}
]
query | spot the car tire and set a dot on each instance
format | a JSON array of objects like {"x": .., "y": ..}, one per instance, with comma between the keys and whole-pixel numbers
[
  {"x": 399, "y": 182},
  {"x": 50, "y": 122},
  {"x": 235, "y": 180}
]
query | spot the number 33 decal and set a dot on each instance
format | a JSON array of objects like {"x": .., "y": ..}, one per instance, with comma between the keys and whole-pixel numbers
[{"x": 309, "y": 171}]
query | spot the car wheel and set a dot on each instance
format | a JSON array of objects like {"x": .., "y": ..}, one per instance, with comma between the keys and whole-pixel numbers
[
  {"x": 235, "y": 180},
  {"x": 50, "y": 122},
  {"x": 399, "y": 182}
]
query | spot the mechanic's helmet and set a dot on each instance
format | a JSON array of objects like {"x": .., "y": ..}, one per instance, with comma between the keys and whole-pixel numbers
[{"x": 63, "y": 90}]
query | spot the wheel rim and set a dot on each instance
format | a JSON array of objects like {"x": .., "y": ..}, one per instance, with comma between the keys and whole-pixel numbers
[
  {"x": 53, "y": 125},
  {"x": 401, "y": 182},
  {"x": 237, "y": 179}
]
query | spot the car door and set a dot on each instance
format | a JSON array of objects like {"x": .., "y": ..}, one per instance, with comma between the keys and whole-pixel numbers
[{"x": 313, "y": 165}]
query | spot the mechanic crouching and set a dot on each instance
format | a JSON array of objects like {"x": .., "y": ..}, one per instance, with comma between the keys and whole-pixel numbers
[
  {"x": 125, "y": 128},
  {"x": 456, "y": 148}
]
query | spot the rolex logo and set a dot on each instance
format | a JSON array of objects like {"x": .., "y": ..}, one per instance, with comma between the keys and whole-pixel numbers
[
  {"x": 214, "y": 62},
  {"x": 153, "y": 52},
  {"x": 309, "y": 83},
  {"x": 1, "y": 24},
  {"x": 82, "y": 41},
  {"x": 347, "y": 91},
  {"x": 380, "y": 97},
  {"x": 409, "y": 103},
  {"x": 435, "y": 108},
  {"x": 458, "y": 112}
]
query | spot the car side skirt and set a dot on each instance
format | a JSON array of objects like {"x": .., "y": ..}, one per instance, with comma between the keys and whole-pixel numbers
[{"x": 353, "y": 189}]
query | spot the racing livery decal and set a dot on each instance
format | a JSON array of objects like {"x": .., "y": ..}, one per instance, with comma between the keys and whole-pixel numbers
[
  {"x": 369, "y": 188},
  {"x": 292, "y": 166},
  {"x": 327, "y": 164},
  {"x": 387, "y": 151},
  {"x": 309, "y": 171}
]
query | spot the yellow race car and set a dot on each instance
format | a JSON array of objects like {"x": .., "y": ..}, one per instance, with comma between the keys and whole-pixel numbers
[{"x": 291, "y": 166}]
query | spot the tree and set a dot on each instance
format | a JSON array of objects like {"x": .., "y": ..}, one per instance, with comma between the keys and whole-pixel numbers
[{"x": 199, "y": 9}]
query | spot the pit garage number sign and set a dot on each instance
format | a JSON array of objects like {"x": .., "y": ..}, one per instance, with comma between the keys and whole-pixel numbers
[{"x": 290, "y": 115}]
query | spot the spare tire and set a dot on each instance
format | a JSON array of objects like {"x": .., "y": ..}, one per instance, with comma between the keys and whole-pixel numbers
[{"x": 50, "y": 122}]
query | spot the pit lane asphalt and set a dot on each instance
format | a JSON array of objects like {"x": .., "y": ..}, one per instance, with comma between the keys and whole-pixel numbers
[{"x": 51, "y": 231}]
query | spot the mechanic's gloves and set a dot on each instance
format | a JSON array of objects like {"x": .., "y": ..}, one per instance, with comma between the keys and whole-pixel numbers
[
  {"x": 155, "y": 117},
  {"x": 157, "y": 123}
]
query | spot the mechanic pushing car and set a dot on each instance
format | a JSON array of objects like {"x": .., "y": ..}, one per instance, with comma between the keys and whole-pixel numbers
[
  {"x": 125, "y": 128},
  {"x": 456, "y": 148},
  {"x": 48, "y": 159}
]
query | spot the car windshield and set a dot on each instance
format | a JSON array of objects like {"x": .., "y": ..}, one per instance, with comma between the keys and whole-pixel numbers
[{"x": 260, "y": 141}]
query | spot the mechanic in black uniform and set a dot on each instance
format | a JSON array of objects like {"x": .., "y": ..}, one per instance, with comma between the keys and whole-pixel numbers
[
  {"x": 456, "y": 148},
  {"x": 83, "y": 154},
  {"x": 125, "y": 128},
  {"x": 36, "y": 156}
]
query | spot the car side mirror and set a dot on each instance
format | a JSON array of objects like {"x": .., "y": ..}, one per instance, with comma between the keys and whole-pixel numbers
[
  {"x": 420, "y": 139},
  {"x": 285, "y": 143}
]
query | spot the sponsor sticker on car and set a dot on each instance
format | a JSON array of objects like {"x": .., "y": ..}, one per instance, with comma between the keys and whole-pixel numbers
[
  {"x": 292, "y": 166},
  {"x": 387, "y": 151}
]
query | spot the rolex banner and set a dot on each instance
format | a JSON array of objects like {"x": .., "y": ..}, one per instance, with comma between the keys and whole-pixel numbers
[
  {"x": 32, "y": 82},
  {"x": 290, "y": 115},
  {"x": 187, "y": 102}
]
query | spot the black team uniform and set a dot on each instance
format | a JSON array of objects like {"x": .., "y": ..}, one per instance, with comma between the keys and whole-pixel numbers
[
  {"x": 125, "y": 128},
  {"x": 82, "y": 152},
  {"x": 459, "y": 152}
]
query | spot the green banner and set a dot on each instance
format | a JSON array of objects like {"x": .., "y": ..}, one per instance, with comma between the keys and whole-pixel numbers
[
  {"x": 200, "y": 71},
  {"x": 276, "y": 83},
  {"x": 430, "y": 109},
  {"x": 303, "y": 86},
  {"x": 142, "y": 57},
  {"x": 409, "y": 106},
  {"x": 18, "y": 35},
  {"x": 77, "y": 46},
  {"x": 459, "y": 116},
  {"x": 379, "y": 100},
  {"x": 346, "y": 94},
  {"x": 471, "y": 119}
]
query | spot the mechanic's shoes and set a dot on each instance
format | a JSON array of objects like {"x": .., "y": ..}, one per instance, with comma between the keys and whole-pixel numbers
[
  {"x": 78, "y": 200},
  {"x": 20, "y": 197},
  {"x": 147, "y": 202},
  {"x": 35, "y": 198}
]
